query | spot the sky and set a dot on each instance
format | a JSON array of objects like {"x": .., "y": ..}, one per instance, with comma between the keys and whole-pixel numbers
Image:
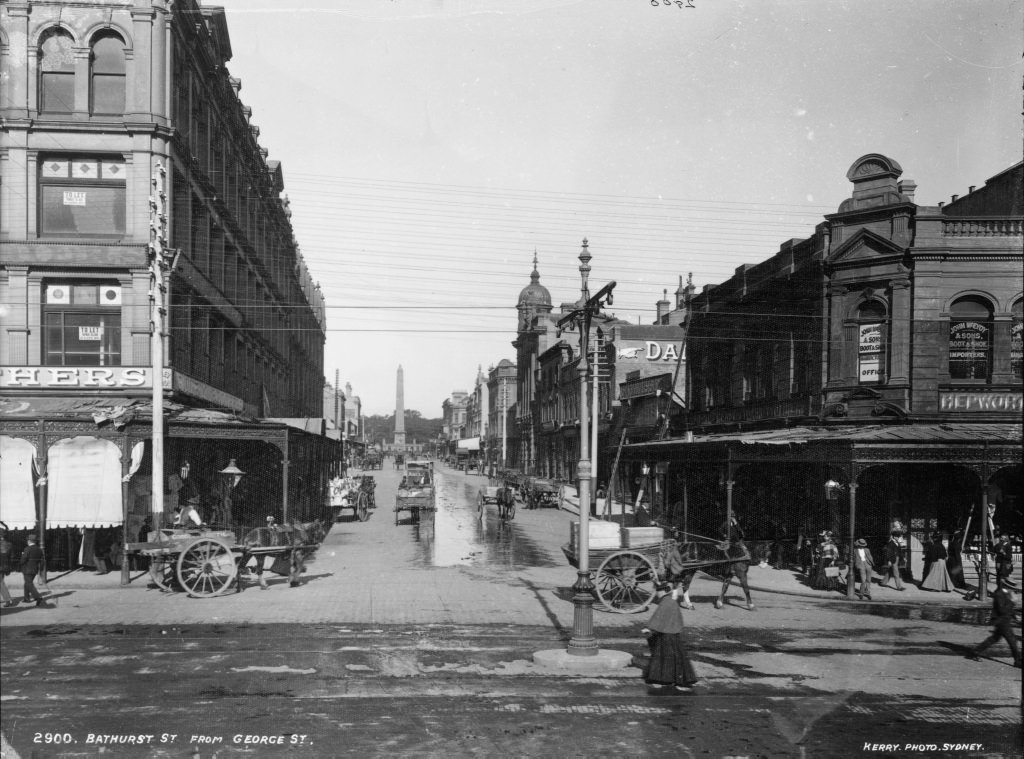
[{"x": 432, "y": 148}]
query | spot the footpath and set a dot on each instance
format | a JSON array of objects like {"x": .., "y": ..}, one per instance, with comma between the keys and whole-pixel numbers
[{"x": 454, "y": 570}]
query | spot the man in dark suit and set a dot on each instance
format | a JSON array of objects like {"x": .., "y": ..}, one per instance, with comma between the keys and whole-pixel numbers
[
  {"x": 893, "y": 560},
  {"x": 31, "y": 564},
  {"x": 864, "y": 568},
  {"x": 1002, "y": 625}
]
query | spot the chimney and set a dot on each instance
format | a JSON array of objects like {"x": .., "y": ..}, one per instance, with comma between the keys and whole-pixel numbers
[
  {"x": 907, "y": 188},
  {"x": 971, "y": 189},
  {"x": 954, "y": 199},
  {"x": 661, "y": 307}
]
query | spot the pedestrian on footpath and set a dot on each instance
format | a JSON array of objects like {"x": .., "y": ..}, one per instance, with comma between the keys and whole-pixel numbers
[
  {"x": 669, "y": 669},
  {"x": 31, "y": 564},
  {"x": 1002, "y": 625},
  {"x": 807, "y": 557},
  {"x": 937, "y": 577},
  {"x": 863, "y": 567},
  {"x": 893, "y": 560},
  {"x": 6, "y": 567}
]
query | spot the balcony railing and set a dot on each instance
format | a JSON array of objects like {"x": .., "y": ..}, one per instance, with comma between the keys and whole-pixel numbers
[
  {"x": 965, "y": 227},
  {"x": 797, "y": 407}
]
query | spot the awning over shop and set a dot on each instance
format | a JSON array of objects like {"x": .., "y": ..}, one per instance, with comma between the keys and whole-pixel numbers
[
  {"x": 84, "y": 483},
  {"x": 469, "y": 444},
  {"x": 17, "y": 499}
]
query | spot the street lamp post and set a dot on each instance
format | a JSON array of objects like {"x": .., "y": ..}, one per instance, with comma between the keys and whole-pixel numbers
[
  {"x": 582, "y": 642},
  {"x": 232, "y": 475}
]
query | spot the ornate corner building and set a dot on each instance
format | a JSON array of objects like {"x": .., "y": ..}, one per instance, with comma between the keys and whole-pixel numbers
[{"x": 881, "y": 355}]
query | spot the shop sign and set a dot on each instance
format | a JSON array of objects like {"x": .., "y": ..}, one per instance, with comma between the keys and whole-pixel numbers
[
  {"x": 968, "y": 341},
  {"x": 981, "y": 402},
  {"x": 42, "y": 377},
  {"x": 649, "y": 351}
]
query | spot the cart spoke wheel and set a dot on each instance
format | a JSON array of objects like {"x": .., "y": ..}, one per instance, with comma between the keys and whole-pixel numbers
[
  {"x": 625, "y": 582},
  {"x": 362, "y": 509},
  {"x": 206, "y": 568}
]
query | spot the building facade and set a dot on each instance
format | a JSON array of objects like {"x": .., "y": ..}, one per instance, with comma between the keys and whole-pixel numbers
[
  {"x": 865, "y": 374},
  {"x": 131, "y": 172}
]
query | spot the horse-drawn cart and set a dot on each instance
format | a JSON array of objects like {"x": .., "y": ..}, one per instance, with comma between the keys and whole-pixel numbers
[
  {"x": 625, "y": 578},
  {"x": 356, "y": 493},
  {"x": 416, "y": 491},
  {"x": 207, "y": 562},
  {"x": 493, "y": 494},
  {"x": 538, "y": 492}
]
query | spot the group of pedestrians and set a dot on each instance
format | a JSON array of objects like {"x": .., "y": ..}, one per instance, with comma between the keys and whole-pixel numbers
[{"x": 31, "y": 565}]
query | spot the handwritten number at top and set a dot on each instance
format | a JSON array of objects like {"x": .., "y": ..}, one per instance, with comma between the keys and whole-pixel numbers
[{"x": 677, "y": 3}]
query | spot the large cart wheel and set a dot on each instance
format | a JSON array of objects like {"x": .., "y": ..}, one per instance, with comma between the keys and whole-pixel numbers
[
  {"x": 206, "y": 568},
  {"x": 362, "y": 507},
  {"x": 625, "y": 582}
]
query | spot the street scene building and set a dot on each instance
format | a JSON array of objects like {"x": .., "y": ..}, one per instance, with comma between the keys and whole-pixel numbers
[{"x": 135, "y": 193}]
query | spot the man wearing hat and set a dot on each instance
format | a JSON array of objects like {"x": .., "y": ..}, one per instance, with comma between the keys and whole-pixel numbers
[
  {"x": 1002, "y": 621},
  {"x": 864, "y": 567},
  {"x": 31, "y": 564}
]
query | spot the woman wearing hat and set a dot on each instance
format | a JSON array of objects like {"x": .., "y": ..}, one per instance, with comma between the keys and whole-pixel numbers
[
  {"x": 864, "y": 567},
  {"x": 670, "y": 666}
]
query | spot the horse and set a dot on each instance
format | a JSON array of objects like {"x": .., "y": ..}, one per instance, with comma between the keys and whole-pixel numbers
[
  {"x": 683, "y": 560},
  {"x": 301, "y": 537}
]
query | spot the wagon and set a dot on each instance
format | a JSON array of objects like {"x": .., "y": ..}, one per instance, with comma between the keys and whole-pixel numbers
[
  {"x": 488, "y": 495},
  {"x": 356, "y": 493},
  {"x": 626, "y": 578},
  {"x": 540, "y": 492},
  {"x": 416, "y": 491},
  {"x": 206, "y": 562}
]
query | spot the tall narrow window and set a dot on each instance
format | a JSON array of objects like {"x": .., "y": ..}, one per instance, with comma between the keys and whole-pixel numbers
[
  {"x": 1017, "y": 340},
  {"x": 108, "y": 79},
  {"x": 871, "y": 343},
  {"x": 970, "y": 339},
  {"x": 57, "y": 74}
]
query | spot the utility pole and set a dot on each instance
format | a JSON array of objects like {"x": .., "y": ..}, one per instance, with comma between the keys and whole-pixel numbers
[{"x": 161, "y": 263}]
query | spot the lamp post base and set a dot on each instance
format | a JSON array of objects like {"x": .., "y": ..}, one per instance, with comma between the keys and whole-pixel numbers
[{"x": 583, "y": 642}]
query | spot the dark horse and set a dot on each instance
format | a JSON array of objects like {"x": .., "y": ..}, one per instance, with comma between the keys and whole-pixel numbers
[
  {"x": 725, "y": 560},
  {"x": 297, "y": 540}
]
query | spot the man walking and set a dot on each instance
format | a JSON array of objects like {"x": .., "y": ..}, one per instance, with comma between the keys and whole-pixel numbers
[
  {"x": 1002, "y": 625},
  {"x": 864, "y": 568},
  {"x": 893, "y": 560},
  {"x": 31, "y": 564}
]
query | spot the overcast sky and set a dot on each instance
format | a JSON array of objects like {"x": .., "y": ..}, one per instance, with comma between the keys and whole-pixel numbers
[{"x": 429, "y": 147}]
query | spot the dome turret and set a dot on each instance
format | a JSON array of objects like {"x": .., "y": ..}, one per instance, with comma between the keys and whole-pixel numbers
[{"x": 534, "y": 294}]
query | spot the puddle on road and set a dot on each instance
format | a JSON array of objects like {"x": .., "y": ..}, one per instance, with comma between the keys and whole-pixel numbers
[{"x": 457, "y": 536}]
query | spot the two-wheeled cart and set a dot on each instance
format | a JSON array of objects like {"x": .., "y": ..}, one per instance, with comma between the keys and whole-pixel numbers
[
  {"x": 625, "y": 579},
  {"x": 206, "y": 562}
]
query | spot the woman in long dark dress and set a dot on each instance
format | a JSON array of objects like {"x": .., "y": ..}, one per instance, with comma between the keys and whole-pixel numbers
[
  {"x": 937, "y": 577},
  {"x": 670, "y": 666}
]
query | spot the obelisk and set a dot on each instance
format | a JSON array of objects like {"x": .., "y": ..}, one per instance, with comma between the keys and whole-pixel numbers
[{"x": 400, "y": 411}]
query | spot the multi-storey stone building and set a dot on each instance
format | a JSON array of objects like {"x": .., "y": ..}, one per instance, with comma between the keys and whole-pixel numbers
[
  {"x": 880, "y": 355},
  {"x": 129, "y": 170}
]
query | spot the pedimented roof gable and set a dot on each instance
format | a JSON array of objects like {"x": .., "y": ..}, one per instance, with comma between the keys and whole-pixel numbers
[{"x": 862, "y": 246}]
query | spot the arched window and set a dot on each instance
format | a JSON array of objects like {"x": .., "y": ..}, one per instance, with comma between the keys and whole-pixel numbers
[
  {"x": 970, "y": 339},
  {"x": 57, "y": 74},
  {"x": 107, "y": 75},
  {"x": 871, "y": 329},
  {"x": 1017, "y": 340}
]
